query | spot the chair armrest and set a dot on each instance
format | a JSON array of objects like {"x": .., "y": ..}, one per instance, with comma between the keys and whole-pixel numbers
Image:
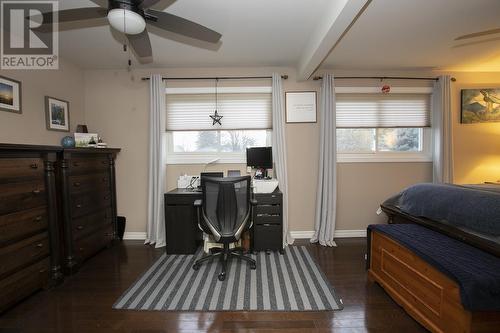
[{"x": 198, "y": 203}]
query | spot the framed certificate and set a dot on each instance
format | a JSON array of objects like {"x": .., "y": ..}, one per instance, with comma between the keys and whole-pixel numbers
[{"x": 300, "y": 106}]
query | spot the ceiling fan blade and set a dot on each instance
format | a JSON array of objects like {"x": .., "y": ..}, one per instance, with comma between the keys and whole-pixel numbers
[
  {"x": 181, "y": 26},
  {"x": 77, "y": 14},
  {"x": 479, "y": 34},
  {"x": 148, "y": 3},
  {"x": 141, "y": 44}
]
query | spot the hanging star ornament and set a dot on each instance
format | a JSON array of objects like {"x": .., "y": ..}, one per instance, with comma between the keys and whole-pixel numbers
[{"x": 216, "y": 118}]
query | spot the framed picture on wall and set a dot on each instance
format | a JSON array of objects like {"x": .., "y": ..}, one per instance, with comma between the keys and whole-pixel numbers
[
  {"x": 10, "y": 95},
  {"x": 56, "y": 114},
  {"x": 300, "y": 106},
  {"x": 480, "y": 106}
]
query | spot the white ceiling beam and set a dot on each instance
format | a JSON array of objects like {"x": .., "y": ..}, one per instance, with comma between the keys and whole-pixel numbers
[{"x": 337, "y": 19}]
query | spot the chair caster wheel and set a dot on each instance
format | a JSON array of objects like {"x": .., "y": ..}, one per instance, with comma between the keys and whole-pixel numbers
[
  {"x": 253, "y": 266},
  {"x": 222, "y": 276},
  {"x": 196, "y": 267}
]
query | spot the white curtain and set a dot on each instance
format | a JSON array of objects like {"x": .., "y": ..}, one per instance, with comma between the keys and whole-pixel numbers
[
  {"x": 156, "y": 184},
  {"x": 442, "y": 125},
  {"x": 326, "y": 198},
  {"x": 279, "y": 150}
]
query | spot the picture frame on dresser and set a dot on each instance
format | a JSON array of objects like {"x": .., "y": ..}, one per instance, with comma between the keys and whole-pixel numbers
[
  {"x": 57, "y": 114},
  {"x": 10, "y": 95}
]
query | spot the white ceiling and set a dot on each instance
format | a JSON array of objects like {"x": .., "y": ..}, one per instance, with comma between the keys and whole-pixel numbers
[
  {"x": 413, "y": 34},
  {"x": 389, "y": 34},
  {"x": 255, "y": 33}
]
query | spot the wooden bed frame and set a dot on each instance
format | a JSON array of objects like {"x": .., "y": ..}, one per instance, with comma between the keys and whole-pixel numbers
[{"x": 426, "y": 294}]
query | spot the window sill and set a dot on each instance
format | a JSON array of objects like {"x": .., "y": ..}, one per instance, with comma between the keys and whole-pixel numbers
[
  {"x": 206, "y": 158},
  {"x": 383, "y": 158},
  {"x": 341, "y": 158}
]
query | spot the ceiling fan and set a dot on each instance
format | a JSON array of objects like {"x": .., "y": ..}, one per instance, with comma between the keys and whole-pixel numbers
[
  {"x": 131, "y": 16},
  {"x": 479, "y": 34}
]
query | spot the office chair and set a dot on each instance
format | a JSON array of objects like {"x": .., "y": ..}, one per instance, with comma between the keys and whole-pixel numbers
[{"x": 225, "y": 212}]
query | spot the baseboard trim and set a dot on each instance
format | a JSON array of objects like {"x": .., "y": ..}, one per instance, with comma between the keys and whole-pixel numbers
[
  {"x": 295, "y": 234},
  {"x": 132, "y": 235},
  {"x": 338, "y": 234}
]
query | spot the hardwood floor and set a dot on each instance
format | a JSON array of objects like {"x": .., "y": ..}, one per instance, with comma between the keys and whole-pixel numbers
[{"x": 83, "y": 303}]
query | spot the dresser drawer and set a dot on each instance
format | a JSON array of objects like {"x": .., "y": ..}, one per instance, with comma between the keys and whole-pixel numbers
[
  {"x": 21, "y": 169},
  {"x": 87, "y": 183},
  {"x": 87, "y": 224},
  {"x": 84, "y": 204},
  {"x": 90, "y": 245},
  {"x": 88, "y": 165},
  {"x": 267, "y": 210},
  {"x": 23, "y": 283},
  {"x": 19, "y": 254},
  {"x": 24, "y": 223},
  {"x": 21, "y": 196}
]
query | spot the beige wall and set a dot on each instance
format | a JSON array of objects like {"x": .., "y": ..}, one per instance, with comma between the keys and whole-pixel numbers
[
  {"x": 30, "y": 126},
  {"x": 476, "y": 146},
  {"x": 116, "y": 104}
]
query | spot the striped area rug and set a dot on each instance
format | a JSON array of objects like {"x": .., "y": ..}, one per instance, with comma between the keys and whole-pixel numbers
[{"x": 289, "y": 282}]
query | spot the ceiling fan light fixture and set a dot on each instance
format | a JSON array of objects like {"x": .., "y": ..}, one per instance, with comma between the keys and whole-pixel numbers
[{"x": 126, "y": 21}]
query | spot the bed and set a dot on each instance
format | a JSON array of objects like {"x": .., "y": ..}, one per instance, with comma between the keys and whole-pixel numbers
[{"x": 439, "y": 256}]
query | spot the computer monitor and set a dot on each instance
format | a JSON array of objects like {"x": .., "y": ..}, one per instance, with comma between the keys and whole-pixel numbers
[
  {"x": 210, "y": 174},
  {"x": 260, "y": 157}
]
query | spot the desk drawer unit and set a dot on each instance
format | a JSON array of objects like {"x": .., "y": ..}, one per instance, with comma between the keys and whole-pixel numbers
[
  {"x": 181, "y": 223},
  {"x": 88, "y": 195},
  {"x": 267, "y": 232},
  {"x": 29, "y": 236}
]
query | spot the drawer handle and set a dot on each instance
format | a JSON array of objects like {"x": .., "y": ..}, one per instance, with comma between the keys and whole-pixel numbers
[
  {"x": 79, "y": 206},
  {"x": 103, "y": 162},
  {"x": 81, "y": 249},
  {"x": 42, "y": 271},
  {"x": 77, "y": 184},
  {"x": 80, "y": 227},
  {"x": 36, "y": 192},
  {"x": 273, "y": 196},
  {"x": 38, "y": 219},
  {"x": 34, "y": 166},
  {"x": 39, "y": 245}
]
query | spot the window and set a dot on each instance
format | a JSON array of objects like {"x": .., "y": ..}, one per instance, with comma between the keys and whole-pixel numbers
[
  {"x": 192, "y": 137},
  {"x": 374, "y": 127}
]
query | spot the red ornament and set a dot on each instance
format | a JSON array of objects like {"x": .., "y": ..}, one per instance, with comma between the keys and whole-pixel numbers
[{"x": 386, "y": 89}]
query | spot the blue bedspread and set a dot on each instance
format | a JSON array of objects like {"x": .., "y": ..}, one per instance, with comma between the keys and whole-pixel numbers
[
  {"x": 476, "y": 272},
  {"x": 474, "y": 208}
]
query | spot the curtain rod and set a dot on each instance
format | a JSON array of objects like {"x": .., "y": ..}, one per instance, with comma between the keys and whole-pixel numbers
[
  {"x": 219, "y": 78},
  {"x": 316, "y": 78}
]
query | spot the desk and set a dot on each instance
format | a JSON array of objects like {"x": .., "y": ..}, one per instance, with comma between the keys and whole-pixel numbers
[
  {"x": 184, "y": 236},
  {"x": 181, "y": 222}
]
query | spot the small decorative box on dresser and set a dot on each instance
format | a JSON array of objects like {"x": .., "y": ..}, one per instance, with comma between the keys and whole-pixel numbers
[
  {"x": 88, "y": 199},
  {"x": 29, "y": 234},
  {"x": 267, "y": 231}
]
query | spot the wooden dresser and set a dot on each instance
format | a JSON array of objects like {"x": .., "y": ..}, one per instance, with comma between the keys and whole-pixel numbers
[
  {"x": 88, "y": 201},
  {"x": 29, "y": 234}
]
